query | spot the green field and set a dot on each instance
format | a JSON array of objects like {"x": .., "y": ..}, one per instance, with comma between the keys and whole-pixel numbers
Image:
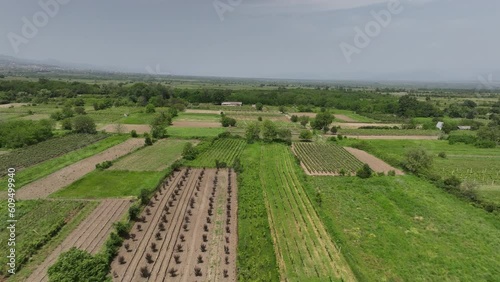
[
  {"x": 138, "y": 118},
  {"x": 37, "y": 222},
  {"x": 305, "y": 252},
  {"x": 256, "y": 258},
  {"x": 326, "y": 158},
  {"x": 352, "y": 115},
  {"x": 190, "y": 132},
  {"x": 388, "y": 132},
  {"x": 110, "y": 184},
  {"x": 152, "y": 158},
  {"x": 405, "y": 229},
  {"x": 223, "y": 150},
  {"x": 111, "y": 115},
  {"x": 197, "y": 117},
  {"x": 468, "y": 163},
  {"x": 40, "y": 170}
]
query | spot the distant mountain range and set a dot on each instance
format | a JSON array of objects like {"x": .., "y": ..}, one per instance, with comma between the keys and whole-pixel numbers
[
  {"x": 485, "y": 80},
  {"x": 8, "y": 63}
]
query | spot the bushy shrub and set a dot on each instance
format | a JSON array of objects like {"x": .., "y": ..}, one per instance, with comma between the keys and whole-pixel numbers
[
  {"x": 66, "y": 124},
  {"x": 364, "y": 172},
  {"x": 133, "y": 212},
  {"x": 104, "y": 165},
  {"x": 121, "y": 229},
  {"x": 77, "y": 265},
  {"x": 84, "y": 124},
  {"x": 189, "y": 152},
  {"x": 417, "y": 160}
]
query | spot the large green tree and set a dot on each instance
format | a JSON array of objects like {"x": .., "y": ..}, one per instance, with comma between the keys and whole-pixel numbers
[
  {"x": 418, "y": 160},
  {"x": 269, "y": 130},
  {"x": 322, "y": 120},
  {"x": 84, "y": 124},
  {"x": 252, "y": 132}
]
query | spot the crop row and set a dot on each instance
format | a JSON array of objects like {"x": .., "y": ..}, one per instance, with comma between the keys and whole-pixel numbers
[
  {"x": 222, "y": 150},
  {"x": 303, "y": 246},
  {"x": 46, "y": 150},
  {"x": 326, "y": 158}
]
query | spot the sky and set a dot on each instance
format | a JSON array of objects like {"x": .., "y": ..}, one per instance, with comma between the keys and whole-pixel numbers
[{"x": 309, "y": 39}]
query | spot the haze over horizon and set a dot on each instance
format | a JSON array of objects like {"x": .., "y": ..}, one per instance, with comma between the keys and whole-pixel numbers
[{"x": 421, "y": 39}]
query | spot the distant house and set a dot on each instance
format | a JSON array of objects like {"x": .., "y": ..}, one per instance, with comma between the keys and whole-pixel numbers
[
  {"x": 464, "y": 128},
  {"x": 439, "y": 125},
  {"x": 232, "y": 104}
]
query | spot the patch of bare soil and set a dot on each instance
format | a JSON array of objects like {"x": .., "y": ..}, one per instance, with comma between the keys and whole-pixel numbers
[
  {"x": 356, "y": 125},
  {"x": 64, "y": 177},
  {"x": 90, "y": 235},
  {"x": 375, "y": 163},
  {"x": 126, "y": 128},
  {"x": 194, "y": 111},
  {"x": 187, "y": 233},
  {"x": 394, "y": 137},
  {"x": 204, "y": 124}
]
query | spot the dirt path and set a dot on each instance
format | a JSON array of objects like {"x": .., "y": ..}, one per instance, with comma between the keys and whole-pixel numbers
[
  {"x": 64, "y": 177},
  {"x": 375, "y": 163},
  {"x": 187, "y": 225},
  {"x": 194, "y": 111},
  {"x": 393, "y": 137},
  {"x": 90, "y": 235}
]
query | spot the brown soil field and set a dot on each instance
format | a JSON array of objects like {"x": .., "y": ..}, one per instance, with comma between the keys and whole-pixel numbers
[
  {"x": 90, "y": 235},
  {"x": 204, "y": 124},
  {"x": 193, "y": 111},
  {"x": 356, "y": 125},
  {"x": 126, "y": 128},
  {"x": 64, "y": 177},
  {"x": 393, "y": 137},
  {"x": 375, "y": 163},
  {"x": 188, "y": 232}
]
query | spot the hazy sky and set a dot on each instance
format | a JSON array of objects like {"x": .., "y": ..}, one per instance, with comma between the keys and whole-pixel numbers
[{"x": 448, "y": 39}]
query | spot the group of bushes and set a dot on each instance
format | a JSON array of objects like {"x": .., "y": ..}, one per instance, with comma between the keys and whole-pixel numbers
[
  {"x": 227, "y": 121},
  {"x": 471, "y": 140},
  {"x": 20, "y": 133}
]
